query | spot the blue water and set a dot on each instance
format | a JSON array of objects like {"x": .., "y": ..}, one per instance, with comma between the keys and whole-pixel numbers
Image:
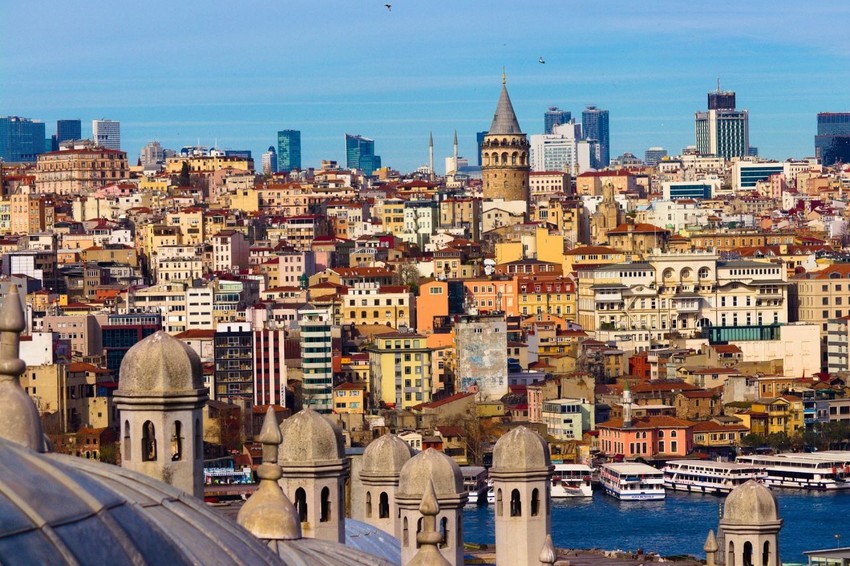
[{"x": 677, "y": 525}]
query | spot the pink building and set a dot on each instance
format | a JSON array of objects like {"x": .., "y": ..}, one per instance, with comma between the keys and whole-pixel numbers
[{"x": 647, "y": 437}]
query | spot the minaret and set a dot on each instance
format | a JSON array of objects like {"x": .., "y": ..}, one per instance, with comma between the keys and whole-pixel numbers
[
  {"x": 160, "y": 400},
  {"x": 454, "y": 157},
  {"x": 627, "y": 405},
  {"x": 504, "y": 154},
  {"x": 521, "y": 474},
  {"x": 431, "y": 154}
]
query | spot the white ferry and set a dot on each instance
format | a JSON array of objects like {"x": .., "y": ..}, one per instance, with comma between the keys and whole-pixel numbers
[
  {"x": 475, "y": 482},
  {"x": 571, "y": 480},
  {"x": 632, "y": 481},
  {"x": 705, "y": 476},
  {"x": 818, "y": 470}
]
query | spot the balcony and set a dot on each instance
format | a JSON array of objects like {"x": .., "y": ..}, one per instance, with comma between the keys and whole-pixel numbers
[{"x": 611, "y": 297}]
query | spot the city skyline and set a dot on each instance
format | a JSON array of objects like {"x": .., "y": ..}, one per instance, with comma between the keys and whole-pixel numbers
[{"x": 414, "y": 74}]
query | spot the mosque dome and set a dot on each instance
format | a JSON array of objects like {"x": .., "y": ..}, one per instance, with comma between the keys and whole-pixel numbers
[
  {"x": 521, "y": 449},
  {"x": 750, "y": 503},
  {"x": 386, "y": 456},
  {"x": 160, "y": 365},
  {"x": 57, "y": 509},
  {"x": 433, "y": 465},
  {"x": 310, "y": 437}
]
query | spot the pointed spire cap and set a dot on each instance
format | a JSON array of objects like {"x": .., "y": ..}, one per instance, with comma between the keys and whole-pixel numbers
[
  {"x": 504, "y": 120},
  {"x": 429, "y": 506},
  {"x": 429, "y": 537},
  {"x": 455, "y": 140},
  {"x": 269, "y": 514},
  {"x": 547, "y": 553},
  {"x": 710, "y": 542},
  {"x": 431, "y": 139},
  {"x": 19, "y": 420}
]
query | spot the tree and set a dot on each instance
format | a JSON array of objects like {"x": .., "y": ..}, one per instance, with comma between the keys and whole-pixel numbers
[
  {"x": 752, "y": 440},
  {"x": 779, "y": 441},
  {"x": 408, "y": 275},
  {"x": 184, "y": 180}
]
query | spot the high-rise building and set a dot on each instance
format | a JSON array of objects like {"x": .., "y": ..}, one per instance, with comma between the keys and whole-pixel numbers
[
  {"x": 106, "y": 133},
  {"x": 152, "y": 155},
  {"x": 653, "y": 155},
  {"x": 479, "y": 139},
  {"x": 233, "y": 351},
  {"x": 722, "y": 131},
  {"x": 68, "y": 130},
  {"x": 554, "y": 116},
  {"x": 21, "y": 139},
  {"x": 594, "y": 125},
  {"x": 557, "y": 151},
  {"x": 317, "y": 359},
  {"x": 269, "y": 161},
  {"x": 505, "y": 165},
  {"x": 832, "y": 142},
  {"x": 288, "y": 150},
  {"x": 360, "y": 154}
]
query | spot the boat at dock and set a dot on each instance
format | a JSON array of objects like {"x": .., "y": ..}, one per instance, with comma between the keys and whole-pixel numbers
[
  {"x": 817, "y": 470},
  {"x": 706, "y": 476},
  {"x": 571, "y": 480},
  {"x": 475, "y": 483},
  {"x": 632, "y": 481}
]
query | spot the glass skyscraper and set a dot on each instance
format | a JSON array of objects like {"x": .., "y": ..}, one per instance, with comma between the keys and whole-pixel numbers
[
  {"x": 554, "y": 116},
  {"x": 106, "y": 133},
  {"x": 832, "y": 142},
  {"x": 288, "y": 150},
  {"x": 722, "y": 131},
  {"x": 360, "y": 154},
  {"x": 68, "y": 130},
  {"x": 21, "y": 139},
  {"x": 594, "y": 124}
]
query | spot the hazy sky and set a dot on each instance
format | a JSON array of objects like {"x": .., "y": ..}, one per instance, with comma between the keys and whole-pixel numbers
[{"x": 237, "y": 72}]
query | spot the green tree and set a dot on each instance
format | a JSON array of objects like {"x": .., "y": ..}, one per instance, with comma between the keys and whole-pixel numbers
[
  {"x": 408, "y": 275},
  {"x": 184, "y": 180},
  {"x": 753, "y": 441},
  {"x": 779, "y": 441}
]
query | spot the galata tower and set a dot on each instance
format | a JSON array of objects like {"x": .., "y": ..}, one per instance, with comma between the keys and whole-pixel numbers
[{"x": 504, "y": 154}]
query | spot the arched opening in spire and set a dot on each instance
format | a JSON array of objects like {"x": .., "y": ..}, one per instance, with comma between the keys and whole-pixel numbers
[
  {"x": 499, "y": 502},
  {"x": 325, "y": 510},
  {"x": 384, "y": 506},
  {"x": 148, "y": 442},
  {"x": 368, "y": 504},
  {"x": 444, "y": 532},
  {"x": 199, "y": 442},
  {"x": 126, "y": 449},
  {"x": 516, "y": 504},
  {"x": 177, "y": 441},
  {"x": 301, "y": 504},
  {"x": 730, "y": 559},
  {"x": 765, "y": 553},
  {"x": 747, "y": 559},
  {"x": 405, "y": 535},
  {"x": 535, "y": 502}
]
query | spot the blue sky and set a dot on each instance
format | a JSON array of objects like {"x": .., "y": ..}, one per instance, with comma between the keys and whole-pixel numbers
[{"x": 237, "y": 72}]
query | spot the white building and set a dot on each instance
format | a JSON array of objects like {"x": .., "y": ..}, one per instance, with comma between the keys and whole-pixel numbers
[
  {"x": 316, "y": 359},
  {"x": 567, "y": 419},
  {"x": 482, "y": 356},
  {"x": 106, "y": 133},
  {"x": 557, "y": 151}
]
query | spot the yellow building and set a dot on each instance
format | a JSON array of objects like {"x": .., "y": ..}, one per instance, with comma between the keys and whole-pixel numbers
[
  {"x": 400, "y": 370},
  {"x": 247, "y": 200},
  {"x": 542, "y": 294},
  {"x": 154, "y": 236},
  {"x": 200, "y": 165},
  {"x": 391, "y": 214},
  {"x": 784, "y": 414},
  {"x": 371, "y": 303},
  {"x": 191, "y": 223},
  {"x": 349, "y": 398}
]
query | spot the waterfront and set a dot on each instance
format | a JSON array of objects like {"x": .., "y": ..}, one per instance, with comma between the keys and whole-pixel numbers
[{"x": 677, "y": 525}]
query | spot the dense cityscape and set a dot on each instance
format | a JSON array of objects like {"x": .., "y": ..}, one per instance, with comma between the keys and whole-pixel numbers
[{"x": 409, "y": 284}]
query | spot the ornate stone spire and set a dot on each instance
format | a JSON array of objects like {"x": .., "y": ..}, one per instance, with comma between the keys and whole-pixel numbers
[
  {"x": 19, "y": 420},
  {"x": 710, "y": 547},
  {"x": 429, "y": 537},
  {"x": 504, "y": 119},
  {"x": 547, "y": 553},
  {"x": 268, "y": 514}
]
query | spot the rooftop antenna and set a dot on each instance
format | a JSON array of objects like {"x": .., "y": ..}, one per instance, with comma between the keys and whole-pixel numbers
[{"x": 718, "y": 85}]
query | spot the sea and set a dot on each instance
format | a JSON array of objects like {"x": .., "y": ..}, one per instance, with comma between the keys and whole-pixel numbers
[{"x": 679, "y": 524}]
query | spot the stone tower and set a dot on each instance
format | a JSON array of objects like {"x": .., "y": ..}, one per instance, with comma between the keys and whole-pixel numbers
[
  {"x": 314, "y": 471},
  {"x": 504, "y": 154},
  {"x": 521, "y": 473},
  {"x": 608, "y": 216},
  {"x": 383, "y": 460},
  {"x": 446, "y": 476},
  {"x": 750, "y": 526},
  {"x": 160, "y": 398}
]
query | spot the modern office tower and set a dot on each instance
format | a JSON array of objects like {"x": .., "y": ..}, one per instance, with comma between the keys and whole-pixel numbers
[
  {"x": 152, "y": 155},
  {"x": 68, "y": 130},
  {"x": 233, "y": 351},
  {"x": 288, "y": 150},
  {"x": 557, "y": 151},
  {"x": 653, "y": 155},
  {"x": 554, "y": 116},
  {"x": 832, "y": 142},
  {"x": 106, "y": 133},
  {"x": 317, "y": 359},
  {"x": 269, "y": 161},
  {"x": 505, "y": 164},
  {"x": 479, "y": 139},
  {"x": 360, "y": 154},
  {"x": 122, "y": 331},
  {"x": 21, "y": 139},
  {"x": 722, "y": 131},
  {"x": 594, "y": 124}
]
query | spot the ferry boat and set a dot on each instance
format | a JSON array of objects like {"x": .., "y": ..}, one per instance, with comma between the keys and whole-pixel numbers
[
  {"x": 571, "y": 480},
  {"x": 817, "y": 470},
  {"x": 706, "y": 476},
  {"x": 632, "y": 481},
  {"x": 475, "y": 483}
]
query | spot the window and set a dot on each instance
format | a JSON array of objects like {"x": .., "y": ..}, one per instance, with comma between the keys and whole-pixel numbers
[
  {"x": 516, "y": 504},
  {"x": 177, "y": 441},
  {"x": 301, "y": 503},
  {"x": 148, "y": 442},
  {"x": 384, "y": 506},
  {"x": 325, "y": 510}
]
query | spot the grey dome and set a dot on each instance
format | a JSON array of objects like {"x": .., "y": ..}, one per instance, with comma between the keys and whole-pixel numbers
[
  {"x": 160, "y": 365},
  {"x": 749, "y": 504},
  {"x": 521, "y": 449},
  {"x": 310, "y": 437},
  {"x": 386, "y": 455},
  {"x": 430, "y": 465},
  {"x": 57, "y": 508}
]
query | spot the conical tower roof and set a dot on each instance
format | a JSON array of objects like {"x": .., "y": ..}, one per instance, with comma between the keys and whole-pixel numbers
[{"x": 504, "y": 120}]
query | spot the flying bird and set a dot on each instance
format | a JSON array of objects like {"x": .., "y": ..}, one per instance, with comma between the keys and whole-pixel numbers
[
  {"x": 541, "y": 60},
  {"x": 389, "y": 7}
]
